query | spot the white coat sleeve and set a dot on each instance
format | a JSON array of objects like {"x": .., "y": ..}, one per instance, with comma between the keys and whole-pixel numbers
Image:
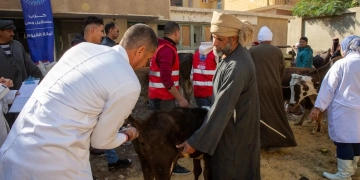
[
  {"x": 10, "y": 97},
  {"x": 3, "y": 91},
  {"x": 328, "y": 87},
  {"x": 117, "y": 108}
]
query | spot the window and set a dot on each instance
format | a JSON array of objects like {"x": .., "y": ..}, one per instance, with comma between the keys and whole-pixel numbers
[
  {"x": 219, "y": 4},
  {"x": 130, "y": 23},
  {"x": 186, "y": 39},
  {"x": 176, "y": 3}
]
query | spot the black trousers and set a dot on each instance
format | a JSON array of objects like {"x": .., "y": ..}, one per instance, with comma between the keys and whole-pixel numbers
[{"x": 347, "y": 151}]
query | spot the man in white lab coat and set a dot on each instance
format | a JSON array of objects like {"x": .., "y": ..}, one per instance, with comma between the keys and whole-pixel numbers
[{"x": 84, "y": 99}]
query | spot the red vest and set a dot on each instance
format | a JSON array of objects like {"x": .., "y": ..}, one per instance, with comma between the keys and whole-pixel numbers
[
  {"x": 203, "y": 73},
  {"x": 157, "y": 89}
]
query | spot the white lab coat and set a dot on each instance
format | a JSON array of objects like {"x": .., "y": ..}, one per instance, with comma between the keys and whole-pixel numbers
[
  {"x": 6, "y": 97},
  {"x": 340, "y": 94},
  {"x": 84, "y": 99}
]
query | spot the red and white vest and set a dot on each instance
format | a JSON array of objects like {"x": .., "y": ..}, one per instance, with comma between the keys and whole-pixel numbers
[
  {"x": 157, "y": 89},
  {"x": 203, "y": 73}
]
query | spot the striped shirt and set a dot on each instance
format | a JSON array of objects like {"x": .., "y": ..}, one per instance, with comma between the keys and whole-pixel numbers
[{"x": 6, "y": 48}]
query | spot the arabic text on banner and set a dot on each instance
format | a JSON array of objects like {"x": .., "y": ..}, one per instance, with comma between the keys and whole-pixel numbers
[{"x": 39, "y": 28}]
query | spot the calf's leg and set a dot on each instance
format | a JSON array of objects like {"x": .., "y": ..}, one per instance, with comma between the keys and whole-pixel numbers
[
  {"x": 306, "y": 113},
  {"x": 318, "y": 127},
  {"x": 197, "y": 168}
]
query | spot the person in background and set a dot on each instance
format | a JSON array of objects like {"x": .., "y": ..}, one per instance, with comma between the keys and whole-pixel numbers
[
  {"x": 340, "y": 95},
  {"x": 114, "y": 163},
  {"x": 164, "y": 77},
  {"x": 112, "y": 33},
  {"x": 335, "y": 50},
  {"x": 83, "y": 100},
  {"x": 295, "y": 47},
  {"x": 203, "y": 66},
  {"x": 15, "y": 64},
  {"x": 93, "y": 31},
  {"x": 304, "y": 58},
  {"x": 5, "y": 98},
  {"x": 270, "y": 70}
]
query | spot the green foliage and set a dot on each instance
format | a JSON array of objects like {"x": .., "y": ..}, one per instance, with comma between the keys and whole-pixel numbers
[{"x": 315, "y": 8}]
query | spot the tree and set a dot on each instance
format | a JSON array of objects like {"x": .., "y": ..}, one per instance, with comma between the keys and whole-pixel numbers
[{"x": 315, "y": 8}]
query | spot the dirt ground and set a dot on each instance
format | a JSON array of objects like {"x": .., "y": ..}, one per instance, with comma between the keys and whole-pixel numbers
[{"x": 313, "y": 155}]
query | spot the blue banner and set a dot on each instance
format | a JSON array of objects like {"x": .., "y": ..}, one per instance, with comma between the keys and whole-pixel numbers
[{"x": 39, "y": 28}]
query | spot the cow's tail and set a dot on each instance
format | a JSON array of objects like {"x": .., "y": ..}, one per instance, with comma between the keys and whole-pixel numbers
[{"x": 134, "y": 121}]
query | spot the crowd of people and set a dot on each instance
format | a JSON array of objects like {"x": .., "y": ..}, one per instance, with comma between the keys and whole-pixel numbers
[{"x": 81, "y": 104}]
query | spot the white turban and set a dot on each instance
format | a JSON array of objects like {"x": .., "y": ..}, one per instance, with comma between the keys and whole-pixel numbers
[{"x": 265, "y": 34}]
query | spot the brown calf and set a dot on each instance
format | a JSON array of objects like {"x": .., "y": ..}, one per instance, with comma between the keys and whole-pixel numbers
[{"x": 158, "y": 136}]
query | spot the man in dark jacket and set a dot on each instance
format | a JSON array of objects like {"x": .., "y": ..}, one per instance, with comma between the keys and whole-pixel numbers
[
  {"x": 15, "y": 64},
  {"x": 304, "y": 58},
  {"x": 112, "y": 33}
]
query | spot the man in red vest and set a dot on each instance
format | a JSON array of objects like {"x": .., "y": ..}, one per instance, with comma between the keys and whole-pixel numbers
[
  {"x": 164, "y": 77},
  {"x": 204, "y": 66}
]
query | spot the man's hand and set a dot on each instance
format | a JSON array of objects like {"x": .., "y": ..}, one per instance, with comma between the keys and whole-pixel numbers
[
  {"x": 131, "y": 132},
  {"x": 187, "y": 148},
  {"x": 183, "y": 102},
  {"x": 314, "y": 115},
  {"x": 7, "y": 82}
]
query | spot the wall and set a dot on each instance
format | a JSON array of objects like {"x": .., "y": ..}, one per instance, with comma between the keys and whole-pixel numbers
[
  {"x": 294, "y": 31},
  {"x": 277, "y": 26},
  {"x": 200, "y": 4},
  {"x": 245, "y": 5},
  {"x": 180, "y": 14},
  {"x": 104, "y": 7},
  {"x": 191, "y": 19},
  {"x": 321, "y": 30}
]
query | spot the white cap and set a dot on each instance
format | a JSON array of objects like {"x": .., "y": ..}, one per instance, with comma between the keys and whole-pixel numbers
[{"x": 265, "y": 34}]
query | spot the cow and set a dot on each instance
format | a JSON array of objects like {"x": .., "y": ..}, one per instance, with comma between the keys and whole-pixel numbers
[
  {"x": 158, "y": 136},
  {"x": 307, "y": 86},
  {"x": 143, "y": 76},
  {"x": 321, "y": 58},
  {"x": 186, "y": 87},
  {"x": 287, "y": 92}
]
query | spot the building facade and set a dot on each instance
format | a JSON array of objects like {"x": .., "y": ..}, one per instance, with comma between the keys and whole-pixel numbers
[{"x": 194, "y": 22}]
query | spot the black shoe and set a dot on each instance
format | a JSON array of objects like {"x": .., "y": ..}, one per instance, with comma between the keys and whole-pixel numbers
[
  {"x": 97, "y": 152},
  {"x": 179, "y": 170},
  {"x": 120, "y": 163}
]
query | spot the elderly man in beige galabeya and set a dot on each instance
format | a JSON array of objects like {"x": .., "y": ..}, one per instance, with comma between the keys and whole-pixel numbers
[{"x": 230, "y": 135}]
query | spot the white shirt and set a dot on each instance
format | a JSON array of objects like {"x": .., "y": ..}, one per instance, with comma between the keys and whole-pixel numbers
[
  {"x": 340, "y": 94},
  {"x": 84, "y": 99}
]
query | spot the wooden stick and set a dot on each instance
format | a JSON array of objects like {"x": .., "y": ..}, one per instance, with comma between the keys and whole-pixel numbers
[{"x": 272, "y": 128}]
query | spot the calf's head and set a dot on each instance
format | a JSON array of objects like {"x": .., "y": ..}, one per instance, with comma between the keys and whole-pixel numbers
[
  {"x": 158, "y": 136},
  {"x": 301, "y": 87}
]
